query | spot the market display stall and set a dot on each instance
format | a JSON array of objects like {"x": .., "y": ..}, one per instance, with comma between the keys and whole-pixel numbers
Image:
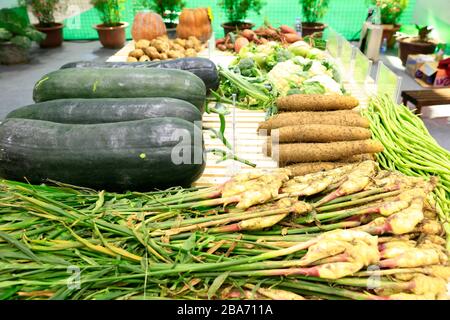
[{"x": 315, "y": 180}]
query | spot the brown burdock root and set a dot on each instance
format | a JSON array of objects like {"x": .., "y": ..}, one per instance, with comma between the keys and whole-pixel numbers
[
  {"x": 348, "y": 118},
  {"x": 319, "y": 133},
  {"x": 332, "y": 151},
  {"x": 301, "y": 169},
  {"x": 316, "y": 102}
]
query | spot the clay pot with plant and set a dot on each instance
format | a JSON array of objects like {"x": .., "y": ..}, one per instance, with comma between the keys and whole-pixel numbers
[
  {"x": 312, "y": 12},
  {"x": 16, "y": 37},
  {"x": 420, "y": 44},
  {"x": 44, "y": 11},
  {"x": 390, "y": 14},
  {"x": 111, "y": 31},
  {"x": 237, "y": 11},
  {"x": 169, "y": 10}
]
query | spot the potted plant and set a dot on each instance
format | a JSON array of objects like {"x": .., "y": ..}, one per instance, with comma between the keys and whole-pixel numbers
[
  {"x": 169, "y": 10},
  {"x": 16, "y": 37},
  {"x": 390, "y": 13},
  {"x": 44, "y": 12},
  {"x": 237, "y": 11},
  {"x": 420, "y": 44},
  {"x": 312, "y": 12},
  {"x": 111, "y": 31}
]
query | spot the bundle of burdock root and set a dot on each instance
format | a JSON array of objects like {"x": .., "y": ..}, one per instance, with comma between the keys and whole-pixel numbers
[
  {"x": 355, "y": 232},
  {"x": 318, "y": 132}
]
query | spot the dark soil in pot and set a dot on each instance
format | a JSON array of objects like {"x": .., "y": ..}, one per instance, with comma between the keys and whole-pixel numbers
[
  {"x": 236, "y": 25},
  {"x": 308, "y": 28}
]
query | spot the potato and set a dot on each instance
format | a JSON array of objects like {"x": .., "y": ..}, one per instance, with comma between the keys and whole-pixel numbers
[
  {"x": 175, "y": 54},
  {"x": 190, "y": 53},
  {"x": 195, "y": 40},
  {"x": 198, "y": 47},
  {"x": 151, "y": 52},
  {"x": 162, "y": 46},
  {"x": 163, "y": 56},
  {"x": 141, "y": 44},
  {"x": 181, "y": 42},
  {"x": 136, "y": 53},
  {"x": 177, "y": 47},
  {"x": 190, "y": 44},
  {"x": 144, "y": 58},
  {"x": 156, "y": 60},
  {"x": 132, "y": 59}
]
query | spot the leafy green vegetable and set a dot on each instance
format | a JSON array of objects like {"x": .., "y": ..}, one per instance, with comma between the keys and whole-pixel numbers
[
  {"x": 16, "y": 28},
  {"x": 34, "y": 35},
  {"x": 313, "y": 87},
  {"x": 279, "y": 55},
  {"x": 248, "y": 68},
  {"x": 21, "y": 41},
  {"x": 5, "y": 35}
]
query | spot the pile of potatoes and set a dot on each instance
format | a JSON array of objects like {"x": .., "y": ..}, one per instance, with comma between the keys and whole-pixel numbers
[{"x": 163, "y": 48}]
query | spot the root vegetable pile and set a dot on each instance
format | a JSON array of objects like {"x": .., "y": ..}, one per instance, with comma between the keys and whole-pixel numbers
[
  {"x": 236, "y": 41},
  {"x": 163, "y": 48},
  {"x": 317, "y": 132},
  {"x": 264, "y": 235}
]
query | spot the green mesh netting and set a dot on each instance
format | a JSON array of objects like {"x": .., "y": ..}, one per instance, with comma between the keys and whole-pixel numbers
[{"x": 344, "y": 16}]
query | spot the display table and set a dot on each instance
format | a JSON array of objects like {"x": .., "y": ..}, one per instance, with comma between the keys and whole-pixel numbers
[
  {"x": 424, "y": 98},
  {"x": 243, "y": 131}
]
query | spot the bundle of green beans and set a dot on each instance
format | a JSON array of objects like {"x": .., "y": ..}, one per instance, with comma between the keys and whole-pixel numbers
[
  {"x": 410, "y": 149},
  {"x": 73, "y": 243}
]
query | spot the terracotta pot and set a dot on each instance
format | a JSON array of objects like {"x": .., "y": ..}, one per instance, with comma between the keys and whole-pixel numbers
[
  {"x": 233, "y": 26},
  {"x": 411, "y": 45},
  {"x": 308, "y": 28},
  {"x": 13, "y": 54},
  {"x": 54, "y": 35},
  {"x": 389, "y": 31},
  {"x": 112, "y": 37}
]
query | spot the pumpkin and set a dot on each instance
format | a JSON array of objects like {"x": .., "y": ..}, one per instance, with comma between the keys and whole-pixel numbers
[
  {"x": 147, "y": 25},
  {"x": 194, "y": 22}
]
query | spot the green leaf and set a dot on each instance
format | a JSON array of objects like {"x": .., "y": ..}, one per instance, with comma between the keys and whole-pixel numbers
[
  {"x": 188, "y": 245},
  {"x": 8, "y": 292},
  {"x": 12, "y": 21},
  {"x": 18, "y": 245},
  {"x": 313, "y": 88},
  {"x": 35, "y": 35},
  {"x": 21, "y": 41},
  {"x": 217, "y": 283},
  {"x": 5, "y": 35}
]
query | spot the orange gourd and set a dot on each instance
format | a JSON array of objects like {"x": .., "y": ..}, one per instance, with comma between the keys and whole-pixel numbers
[
  {"x": 147, "y": 25},
  {"x": 194, "y": 22}
]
